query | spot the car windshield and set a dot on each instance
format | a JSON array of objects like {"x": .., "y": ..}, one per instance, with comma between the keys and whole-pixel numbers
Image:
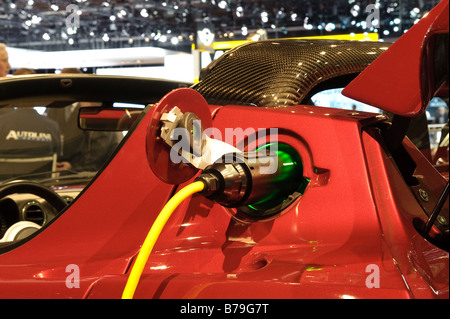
[{"x": 47, "y": 145}]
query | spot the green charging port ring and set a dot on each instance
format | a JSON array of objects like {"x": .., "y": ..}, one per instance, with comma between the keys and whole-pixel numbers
[{"x": 292, "y": 166}]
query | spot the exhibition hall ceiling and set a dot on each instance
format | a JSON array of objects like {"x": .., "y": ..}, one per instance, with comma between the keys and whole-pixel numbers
[{"x": 92, "y": 24}]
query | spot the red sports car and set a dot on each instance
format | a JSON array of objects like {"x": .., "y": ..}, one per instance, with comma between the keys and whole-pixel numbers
[{"x": 236, "y": 187}]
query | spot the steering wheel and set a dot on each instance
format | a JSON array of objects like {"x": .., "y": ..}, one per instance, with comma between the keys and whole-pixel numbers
[
  {"x": 22, "y": 229},
  {"x": 45, "y": 193}
]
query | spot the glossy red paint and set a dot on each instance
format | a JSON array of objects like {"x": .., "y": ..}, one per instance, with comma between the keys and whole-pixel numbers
[
  {"x": 320, "y": 247},
  {"x": 420, "y": 263},
  {"x": 397, "y": 73},
  {"x": 309, "y": 251},
  {"x": 354, "y": 224},
  {"x": 100, "y": 234}
]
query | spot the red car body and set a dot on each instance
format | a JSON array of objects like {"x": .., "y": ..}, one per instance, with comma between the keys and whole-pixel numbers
[{"x": 352, "y": 234}]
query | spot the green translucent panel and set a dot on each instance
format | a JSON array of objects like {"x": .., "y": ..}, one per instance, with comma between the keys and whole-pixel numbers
[{"x": 288, "y": 180}]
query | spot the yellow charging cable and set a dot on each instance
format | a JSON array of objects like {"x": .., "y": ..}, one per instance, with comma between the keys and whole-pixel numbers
[{"x": 153, "y": 235}]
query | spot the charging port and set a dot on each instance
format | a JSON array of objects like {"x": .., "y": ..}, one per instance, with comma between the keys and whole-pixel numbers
[{"x": 260, "y": 183}]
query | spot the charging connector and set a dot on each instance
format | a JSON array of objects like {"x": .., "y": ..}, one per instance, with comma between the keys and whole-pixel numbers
[
  {"x": 255, "y": 182},
  {"x": 227, "y": 184}
]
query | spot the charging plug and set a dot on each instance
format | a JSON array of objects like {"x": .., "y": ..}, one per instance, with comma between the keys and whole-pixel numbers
[{"x": 260, "y": 180}]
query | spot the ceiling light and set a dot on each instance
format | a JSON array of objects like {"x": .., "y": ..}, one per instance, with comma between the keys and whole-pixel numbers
[
  {"x": 144, "y": 13},
  {"x": 355, "y": 10},
  {"x": 223, "y": 4},
  {"x": 35, "y": 19},
  {"x": 264, "y": 17},
  {"x": 330, "y": 27},
  {"x": 105, "y": 37},
  {"x": 239, "y": 11},
  {"x": 71, "y": 31},
  {"x": 46, "y": 36}
]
